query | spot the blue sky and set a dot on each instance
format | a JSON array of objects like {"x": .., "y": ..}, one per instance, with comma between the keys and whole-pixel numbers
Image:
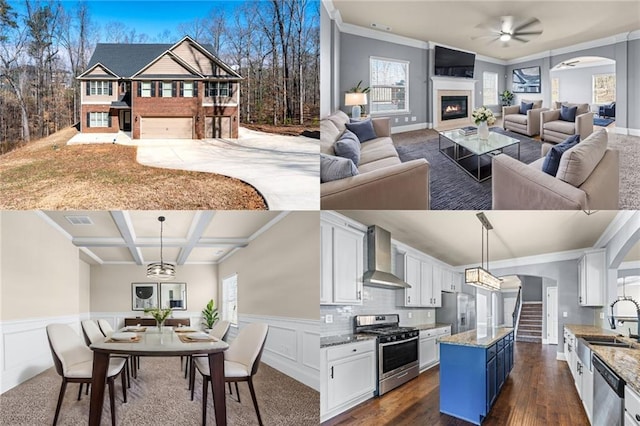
[{"x": 151, "y": 16}]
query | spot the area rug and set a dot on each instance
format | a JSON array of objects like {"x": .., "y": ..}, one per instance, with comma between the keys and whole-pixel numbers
[
  {"x": 602, "y": 122},
  {"x": 451, "y": 187}
]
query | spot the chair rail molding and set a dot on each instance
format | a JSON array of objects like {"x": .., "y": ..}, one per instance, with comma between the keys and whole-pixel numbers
[
  {"x": 292, "y": 347},
  {"x": 24, "y": 348}
]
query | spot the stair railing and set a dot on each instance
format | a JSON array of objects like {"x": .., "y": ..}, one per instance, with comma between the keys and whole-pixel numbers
[{"x": 516, "y": 313}]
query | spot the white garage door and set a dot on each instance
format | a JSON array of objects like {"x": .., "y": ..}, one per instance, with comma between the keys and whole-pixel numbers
[{"x": 166, "y": 128}]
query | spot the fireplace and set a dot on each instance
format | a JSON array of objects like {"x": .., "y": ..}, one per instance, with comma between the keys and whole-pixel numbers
[{"x": 453, "y": 107}]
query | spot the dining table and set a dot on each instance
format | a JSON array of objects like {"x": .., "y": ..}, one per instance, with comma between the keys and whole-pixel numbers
[{"x": 158, "y": 342}]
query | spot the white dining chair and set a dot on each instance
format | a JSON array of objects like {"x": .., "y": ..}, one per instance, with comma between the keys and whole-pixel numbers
[
  {"x": 105, "y": 327},
  {"x": 241, "y": 363},
  {"x": 74, "y": 363},
  {"x": 107, "y": 330},
  {"x": 219, "y": 331},
  {"x": 92, "y": 334}
]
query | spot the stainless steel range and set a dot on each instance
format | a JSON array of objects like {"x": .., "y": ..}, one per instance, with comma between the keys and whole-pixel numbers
[{"x": 398, "y": 360}]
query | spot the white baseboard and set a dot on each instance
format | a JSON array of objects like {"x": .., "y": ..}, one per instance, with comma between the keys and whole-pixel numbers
[
  {"x": 560, "y": 356},
  {"x": 24, "y": 348},
  {"x": 292, "y": 347},
  {"x": 409, "y": 128},
  {"x": 626, "y": 131}
]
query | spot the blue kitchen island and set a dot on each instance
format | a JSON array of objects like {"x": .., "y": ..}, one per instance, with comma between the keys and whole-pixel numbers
[{"x": 473, "y": 367}]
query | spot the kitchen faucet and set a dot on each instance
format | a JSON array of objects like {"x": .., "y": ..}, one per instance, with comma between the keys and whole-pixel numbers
[{"x": 612, "y": 318}]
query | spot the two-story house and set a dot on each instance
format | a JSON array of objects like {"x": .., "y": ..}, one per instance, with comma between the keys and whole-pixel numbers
[{"x": 179, "y": 91}]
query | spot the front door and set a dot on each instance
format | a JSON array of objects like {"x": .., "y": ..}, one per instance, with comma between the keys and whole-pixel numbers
[{"x": 125, "y": 120}]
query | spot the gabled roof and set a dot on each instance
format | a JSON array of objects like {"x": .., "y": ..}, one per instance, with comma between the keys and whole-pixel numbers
[
  {"x": 126, "y": 60},
  {"x": 98, "y": 65}
]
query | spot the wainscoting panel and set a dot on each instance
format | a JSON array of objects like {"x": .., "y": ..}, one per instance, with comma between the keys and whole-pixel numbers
[
  {"x": 24, "y": 348},
  {"x": 292, "y": 347}
]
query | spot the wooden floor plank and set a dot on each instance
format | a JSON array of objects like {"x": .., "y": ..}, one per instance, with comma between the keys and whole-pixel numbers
[{"x": 539, "y": 391}]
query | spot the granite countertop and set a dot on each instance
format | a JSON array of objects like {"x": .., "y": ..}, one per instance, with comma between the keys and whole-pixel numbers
[
  {"x": 343, "y": 339},
  {"x": 625, "y": 362},
  {"x": 477, "y": 337},
  {"x": 430, "y": 326}
]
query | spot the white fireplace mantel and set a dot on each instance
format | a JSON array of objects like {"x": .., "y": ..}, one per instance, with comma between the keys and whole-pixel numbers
[{"x": 450, "y": 83}]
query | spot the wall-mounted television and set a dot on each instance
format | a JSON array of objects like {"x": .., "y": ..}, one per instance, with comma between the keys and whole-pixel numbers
[
  {"x": 454, "y": 63},
  {"x": 526, "y": 80}
]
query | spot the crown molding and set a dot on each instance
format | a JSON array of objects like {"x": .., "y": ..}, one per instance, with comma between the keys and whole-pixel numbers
[
  {"x": 382, "y": 36},
  {"x": 614, "y": 227}
]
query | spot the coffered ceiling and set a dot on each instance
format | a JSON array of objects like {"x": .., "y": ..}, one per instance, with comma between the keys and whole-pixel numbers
[
  {"x": 455, "y": 237},
  {"x": 121, "y": 237},
  {"x": 454, "y": 23}
]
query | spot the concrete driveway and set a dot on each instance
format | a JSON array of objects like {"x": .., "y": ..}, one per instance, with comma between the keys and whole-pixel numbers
[{"x": 285, "y": 169}]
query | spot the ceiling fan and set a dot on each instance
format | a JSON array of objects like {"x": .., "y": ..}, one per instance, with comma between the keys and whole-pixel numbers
[
  {"x": 569, "y": 64},
  {"x": 510, "y": 28}
]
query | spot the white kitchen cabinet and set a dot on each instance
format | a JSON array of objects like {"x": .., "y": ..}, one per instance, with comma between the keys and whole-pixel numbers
[
  {"x": 425, "y": 290},
  {"x": 592, "y": 278},
  {"x": 427, "y": 282},
  {"x": 348, "y": 377},
  {"x": 451, "y": 281},
  {"x": 629, "y": 421},
  {"x": 413, "y": 277},
  {"x": 430, "y": 347},
  {"x": 587, "y": 391},
  {"x": 341, "y": 265},
  {"x": 631, "y": 407},
  {"x": 436, "y": 291}
]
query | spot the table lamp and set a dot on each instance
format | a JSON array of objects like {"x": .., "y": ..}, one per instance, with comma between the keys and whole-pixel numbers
[{"x": 355, "y": 100}]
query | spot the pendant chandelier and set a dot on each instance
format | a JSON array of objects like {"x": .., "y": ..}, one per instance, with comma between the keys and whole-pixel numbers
[
  {"x": 161, "y": 270},
  {"x": 479, "y": 276}
]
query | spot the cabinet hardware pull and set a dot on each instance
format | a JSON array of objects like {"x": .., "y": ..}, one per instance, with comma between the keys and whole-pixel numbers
[
  {"x": 638, "y": 417},
  {"x": 408, "y": 299},
  {"x": 359, "y": 294},
  {"x": 354, "y": 350},
  {"x": 332, "y": 372}
]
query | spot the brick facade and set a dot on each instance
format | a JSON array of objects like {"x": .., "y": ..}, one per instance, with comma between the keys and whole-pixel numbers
[{"x": 86, "y": 109}]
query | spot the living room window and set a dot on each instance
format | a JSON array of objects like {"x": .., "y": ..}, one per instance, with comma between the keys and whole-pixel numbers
[
  {"x": 604, "y": 88},
  {"x": 230, "y": 299},
  {"x": 99, "y": 88},
  {"x": 555, "y": 89},
  {"x": 187, "y": 89},
  {"x": 146, "y": 89},
  {"x": 165, "y": 89},
  {"x": 389, "y": 79},
  {"x": 98, "y": 119},
  {"x": 489, "y": 88}
]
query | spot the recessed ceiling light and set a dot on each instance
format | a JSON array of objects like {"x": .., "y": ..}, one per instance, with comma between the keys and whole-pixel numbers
[
  {"x": 380, "y": 26},
  {"x": 79, "y": 220}
]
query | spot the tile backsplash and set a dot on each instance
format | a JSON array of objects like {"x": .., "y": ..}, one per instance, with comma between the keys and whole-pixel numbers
[{"x": 375, "y": 301}]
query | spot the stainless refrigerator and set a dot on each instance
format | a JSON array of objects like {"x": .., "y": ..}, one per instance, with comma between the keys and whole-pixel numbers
[{"x": 459, "y": 310}]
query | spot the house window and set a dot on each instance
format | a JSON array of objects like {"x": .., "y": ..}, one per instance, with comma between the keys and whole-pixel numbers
[
  {"x": 555, "y": 90},
  {"x": 389, "y": 85},
  {"x": 99, "y": 119},
  {"x": 230, "y": 299},
  {"x": 100, "y": 87},
  {"x": 166, "y": 89},
  {"x": 217, "y": 89},
  {"x": 146, "y": 89},
  {"x": 187, "y": 89},
  {"x": 489, "y": 88},
  {"x": 604, "y": 88}
]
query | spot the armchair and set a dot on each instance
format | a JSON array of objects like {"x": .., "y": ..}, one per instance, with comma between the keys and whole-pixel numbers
[
  {"x": 607, "y": 110},
  {"x": 527, "y": 124},
  {"x": 555, "y": 130}
]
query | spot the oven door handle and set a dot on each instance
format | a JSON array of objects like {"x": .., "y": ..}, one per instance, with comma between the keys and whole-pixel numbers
[{"x": 398, "y": 342}]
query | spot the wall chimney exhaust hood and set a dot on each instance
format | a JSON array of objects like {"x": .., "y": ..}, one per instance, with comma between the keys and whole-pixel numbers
[{"x": 379, "y": 261}]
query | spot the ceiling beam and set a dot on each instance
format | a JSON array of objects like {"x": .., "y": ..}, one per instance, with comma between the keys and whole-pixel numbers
[
  {"x": 155, "y": 242},
  {"x": 123, "y": 222},
  {"x": 201, "y": 221}
]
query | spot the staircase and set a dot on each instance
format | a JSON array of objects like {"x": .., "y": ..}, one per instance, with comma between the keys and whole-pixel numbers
[{"x": 530, "y": 326}]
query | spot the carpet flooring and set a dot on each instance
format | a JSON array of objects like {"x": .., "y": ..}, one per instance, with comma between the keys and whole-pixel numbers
[
  {"x": 451, "y": 187},
  {"x": 159, "y": 396},
  {"x": 603, "y": 122}
]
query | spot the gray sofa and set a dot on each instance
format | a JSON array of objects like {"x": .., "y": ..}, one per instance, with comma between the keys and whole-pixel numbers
[
  {"x": 587, "y": 179},
  {"x": 383, "y": 182},
  {"x": 555, "y": 130},
  {"x": 526, "y": 124}
]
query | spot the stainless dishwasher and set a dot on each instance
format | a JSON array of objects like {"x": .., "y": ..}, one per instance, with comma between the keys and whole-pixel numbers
[{"x": 608, "y": 395}]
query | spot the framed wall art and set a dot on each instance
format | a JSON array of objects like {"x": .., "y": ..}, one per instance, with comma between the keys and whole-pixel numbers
[
  {"x": 174, "y": 296},
  {"x": 144, "y": 296},
  {"x": 526, "y": 80}
]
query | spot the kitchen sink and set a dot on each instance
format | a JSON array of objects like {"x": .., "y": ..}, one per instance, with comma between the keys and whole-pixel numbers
[{"x": 612, "y": 344}]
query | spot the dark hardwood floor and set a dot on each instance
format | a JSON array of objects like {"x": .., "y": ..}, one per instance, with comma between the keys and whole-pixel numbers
[{"x": 539, "y": 391}]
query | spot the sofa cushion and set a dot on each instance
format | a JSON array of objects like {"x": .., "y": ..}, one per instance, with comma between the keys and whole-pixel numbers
[
  {"x": 379, "y": 164},
  {"x": 568, "y": 113},
  {"x": 524, "y": 107},
  {"x": 363, "y": 129},
  {"x": 536, "y": 103},
  {"x": 329, "y": 133},
  {"x": 516, "y": 118},
  {"x": 384, "y": 151},
  {"x": 579, "y": 162},
  {"x": 552, "y": 159},
  {"x": 335, "y": 168},
  {"x": 339, "y": 118},
  {"x": 348, "y": 146},
  {"x": 565, "y": 127}
]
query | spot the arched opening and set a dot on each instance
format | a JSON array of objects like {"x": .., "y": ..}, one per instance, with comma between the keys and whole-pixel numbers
[{"x": 590, "y": 80}]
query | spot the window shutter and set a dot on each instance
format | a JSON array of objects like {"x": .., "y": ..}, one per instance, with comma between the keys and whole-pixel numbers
[
  {"x": 174, "y": 88},
  {"x": 181, "y": 89},
  {"x": 110, "y": 88},
  {"x": 160, "y": 88},
  {"x": 153, "y": 89},
  {"x": 139, "y": 88},
  {"x": 88, "y": 119},
  {"x": 195, "y": 89},
  {"x": 88, "y": 87},
  {"x": 109, "y": 121}
]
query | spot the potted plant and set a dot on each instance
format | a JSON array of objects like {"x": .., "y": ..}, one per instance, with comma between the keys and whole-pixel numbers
[
  {"x": 506, "y": 97},
  {"x": 209, "y": 315},
  {"x": 160, "y": 315}
]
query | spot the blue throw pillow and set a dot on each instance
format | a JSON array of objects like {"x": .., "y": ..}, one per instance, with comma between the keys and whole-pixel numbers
[
  {"x": 363, "y": 130},
  {"x": 552, "y": 160},
  {"x": 524, "y": 107},
  {"x": 334, "y": 168},
  {"x": 568, "y": 113},
  {"x": 348, "y": 146}
]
